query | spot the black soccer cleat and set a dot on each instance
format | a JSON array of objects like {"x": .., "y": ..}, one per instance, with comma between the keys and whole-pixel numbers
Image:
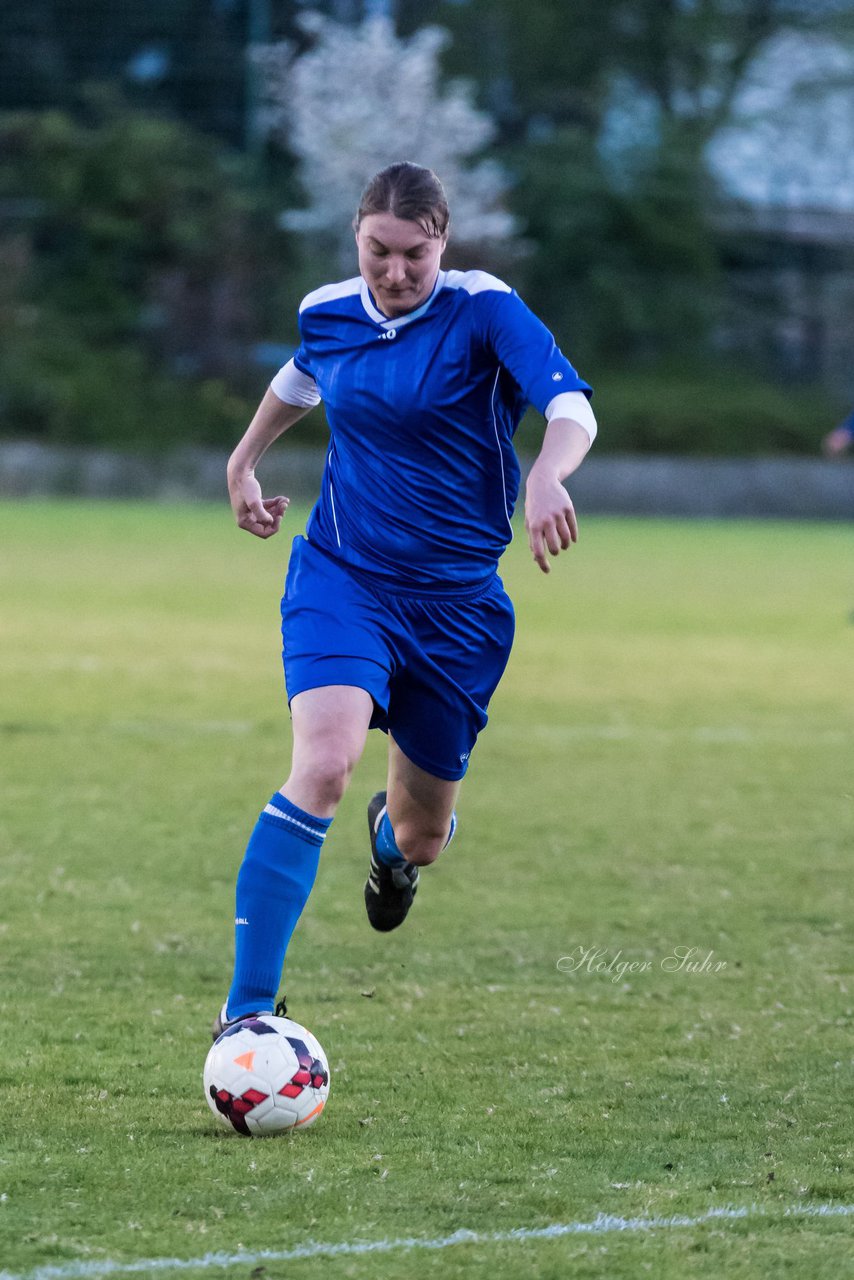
[
  {"x": 223, "y": 1023},
  {"x": 389, "y": 891}
]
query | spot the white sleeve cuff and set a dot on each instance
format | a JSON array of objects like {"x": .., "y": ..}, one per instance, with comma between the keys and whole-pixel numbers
[
  {"x": 292, "y": 386},
  {"x": 575, "y": 406}
]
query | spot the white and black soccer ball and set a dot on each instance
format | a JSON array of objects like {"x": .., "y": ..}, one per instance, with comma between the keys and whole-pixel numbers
[{"x": 266, "y": 1075}]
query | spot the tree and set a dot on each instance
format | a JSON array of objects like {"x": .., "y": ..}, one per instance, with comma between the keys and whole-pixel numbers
[
  {"x": 789, "y": 140},
  {"x": 183, "y": 56},
  {"x": 605, "y": 111},
  {"x": 138, "y": 263},
  {"x": 393, "y": 109},
  {"x": 537, "y": 63}
]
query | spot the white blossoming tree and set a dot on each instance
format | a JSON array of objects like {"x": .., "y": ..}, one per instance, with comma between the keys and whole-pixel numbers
[
  {"x": 790, "y": 139},
  {"x": 361, "y": 98}
]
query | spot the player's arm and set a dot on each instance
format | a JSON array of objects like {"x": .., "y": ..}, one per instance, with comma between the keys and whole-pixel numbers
[
  {"x": 275, "y": 414},
  {"x": 527, "y": 349},
  {"x": 550, "y": 519}
]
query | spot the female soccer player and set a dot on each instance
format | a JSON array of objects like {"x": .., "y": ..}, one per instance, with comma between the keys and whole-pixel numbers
[{"x": 394, "y": 616}]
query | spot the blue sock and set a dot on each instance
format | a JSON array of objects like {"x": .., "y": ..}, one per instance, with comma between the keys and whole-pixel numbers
[
  {"x": 387, "y": 850},
  {"x": 273, "y": 885}
]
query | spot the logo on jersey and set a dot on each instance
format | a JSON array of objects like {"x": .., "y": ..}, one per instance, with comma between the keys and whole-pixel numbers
[
  {"x": 557, "y": 377},
  {"x": 388, "y": 335}
]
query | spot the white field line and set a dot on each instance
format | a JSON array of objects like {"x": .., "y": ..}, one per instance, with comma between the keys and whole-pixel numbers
[{"x": 602, "y": 1224}]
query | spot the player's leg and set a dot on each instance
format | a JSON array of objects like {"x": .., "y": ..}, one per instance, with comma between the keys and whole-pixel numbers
[
  {"x": 280, "y": 865},
  {"x": 336, "y": 673},
  {"x": 409, "y": 825},
  {"x": 453, "y": 655},
  {"x": 330, "y": 726},
  {"x": 420, "y": 808}
]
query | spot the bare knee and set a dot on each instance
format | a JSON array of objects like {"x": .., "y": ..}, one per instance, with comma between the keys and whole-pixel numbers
[
  {"x": 330, "y": 725},
  {"x": 320, "y": 776},
  {"x": 332, "y": 778},
  {"x": 420, "y": 843}
]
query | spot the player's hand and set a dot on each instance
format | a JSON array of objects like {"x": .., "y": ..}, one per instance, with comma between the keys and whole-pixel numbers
[
  {"x": 254, "y": 513},
  {"x": 550, "y": 519},
  {"x": 836, "y": 442}
]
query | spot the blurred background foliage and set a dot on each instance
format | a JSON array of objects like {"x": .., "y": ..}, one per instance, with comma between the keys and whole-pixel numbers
[{"x": 150, "y": 272}]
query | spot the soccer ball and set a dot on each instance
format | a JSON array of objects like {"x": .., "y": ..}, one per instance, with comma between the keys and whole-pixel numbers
[{"x": 266, "y": 1075}]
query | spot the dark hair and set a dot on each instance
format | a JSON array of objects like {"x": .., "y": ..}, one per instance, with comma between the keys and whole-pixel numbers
[{"x": 407, "y": 191}]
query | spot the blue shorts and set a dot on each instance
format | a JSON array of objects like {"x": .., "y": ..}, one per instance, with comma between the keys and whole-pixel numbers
[{"x": 431, "y": 664}]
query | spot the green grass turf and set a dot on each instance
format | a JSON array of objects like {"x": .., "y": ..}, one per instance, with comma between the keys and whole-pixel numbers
[{"x": 668, "y": 765}]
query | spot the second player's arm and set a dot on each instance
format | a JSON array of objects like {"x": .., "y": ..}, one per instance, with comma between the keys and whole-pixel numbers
[
  {"x": 259, "y": 515},
  {"x": 550, "y": 518}
]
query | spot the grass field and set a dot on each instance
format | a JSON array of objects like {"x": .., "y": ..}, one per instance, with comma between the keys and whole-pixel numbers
[{"x": 668, "y": 765}]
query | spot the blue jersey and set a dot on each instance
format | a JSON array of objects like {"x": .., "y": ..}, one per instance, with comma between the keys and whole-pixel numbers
[{"x": 421, "y": 477}]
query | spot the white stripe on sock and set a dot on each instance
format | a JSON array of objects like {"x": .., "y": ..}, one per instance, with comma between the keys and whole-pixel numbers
[{"x": 318, "y": 832}]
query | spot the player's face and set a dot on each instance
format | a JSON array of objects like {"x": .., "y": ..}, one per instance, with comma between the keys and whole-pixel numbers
[{"x": 399, "y": 261}]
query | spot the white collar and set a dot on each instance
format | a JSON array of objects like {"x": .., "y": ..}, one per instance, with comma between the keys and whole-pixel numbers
[{"x": 397, "y": 322}]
